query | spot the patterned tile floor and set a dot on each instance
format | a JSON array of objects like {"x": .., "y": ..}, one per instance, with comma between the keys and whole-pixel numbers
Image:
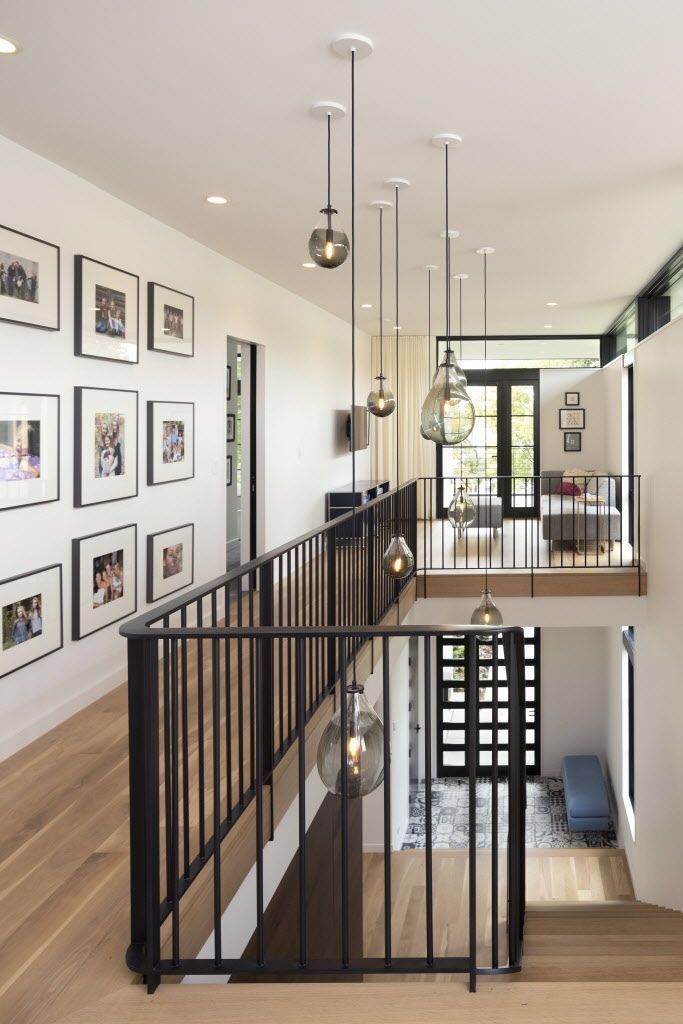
[{"x": 546, "y": 818}]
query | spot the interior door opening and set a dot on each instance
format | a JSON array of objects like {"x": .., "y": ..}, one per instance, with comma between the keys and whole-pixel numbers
[{"x": 240, "y": 443}]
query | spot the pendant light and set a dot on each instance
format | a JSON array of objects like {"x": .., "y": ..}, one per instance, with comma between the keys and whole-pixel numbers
[
  {"x": 447, "y": 416},
  {"x": 486, "y": 613},
  {"x": 328, "y": 247},
  {"x": 381, "y": 401},
  {"x": 398, "y": 561},
  {"x": 354, "y": 737},
  {"x": 461, "y": 511}
]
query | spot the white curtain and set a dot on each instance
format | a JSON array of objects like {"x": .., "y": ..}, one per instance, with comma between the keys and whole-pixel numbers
[{"x": 416, "y": 368}]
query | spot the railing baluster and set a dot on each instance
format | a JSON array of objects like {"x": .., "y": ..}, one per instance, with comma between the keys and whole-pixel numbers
[
  {"x": 240, "y": 689},
  {"x": 471, "y": 694},
  {"x": 429, "y": 894},
  {"x": 494, "y": 802},
  {"x": 185, "y": 749},
  {"x": 200, "y": 734},
  {"x": 260, "y": 953},
  {"x": 175, "y": 851},
  {"x": 301, "y": 741},
  {"x": 386, "y": 711},
  {"x": 216, "y": 734},
  {"x": 344, "y": 807},
  {"x": 228, "y": 711}
]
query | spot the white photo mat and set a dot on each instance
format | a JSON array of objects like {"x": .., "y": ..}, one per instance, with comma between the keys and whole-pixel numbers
[
  {"x": 29, "y": 251},
  {"x": 16, "y": 487},
  {"x": 46, "y": 584},
  {"x": 162, "y": 338},
  {"x": 159, "y": 413},
  {"x": 89, "y": 342},
  {"x": 162, "y": 577},
  {"x": 92, "y": 407},
  {"x": 87, "y": 618},
  {"x": 573, "y": 419}
]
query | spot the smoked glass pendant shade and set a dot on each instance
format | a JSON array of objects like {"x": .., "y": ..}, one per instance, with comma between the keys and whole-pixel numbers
[
  {"x": 363, "y": 745},
  {"x": 381, "y": 401},
  {"x": 486, "y": 613},
  {"x": 328, "y": 247},
  {"x": 398, "y": 561},
  {"x": 461, "y": 510},
  {"x": 447, "y": 416}
]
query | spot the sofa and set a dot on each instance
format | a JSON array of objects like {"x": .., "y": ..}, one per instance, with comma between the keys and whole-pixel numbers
[{"x": 568, "y": 521}]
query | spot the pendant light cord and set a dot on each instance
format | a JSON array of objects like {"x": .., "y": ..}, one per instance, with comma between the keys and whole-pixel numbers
[
  {"x": 488, "y": 535},
  {"x": 398, "y": 404},
  {"x": 329, "y": 159},
  {"x": 353, "y": 312},
  {"x": 448, "y": 266},
  {"x": 381, "y": 307},
  {"x": 429, "y": 323}
]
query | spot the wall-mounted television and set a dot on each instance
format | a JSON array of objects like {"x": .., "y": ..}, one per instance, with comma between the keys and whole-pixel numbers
[{"x": 361, "y": 433}]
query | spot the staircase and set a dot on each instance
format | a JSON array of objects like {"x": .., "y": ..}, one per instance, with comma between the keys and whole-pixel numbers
[{"x": 602, "y": 942}]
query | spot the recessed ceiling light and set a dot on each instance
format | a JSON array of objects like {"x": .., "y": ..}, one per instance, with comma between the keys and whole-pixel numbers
[
  {"x": 551, "y": 304},
  {"x": 366, "y": 305},
  {"x": 308, "y": 265},
  {"x": 8, "y": 46},
  {"x": 216, "y": 200},
  {"x": 548, "y": 327}
]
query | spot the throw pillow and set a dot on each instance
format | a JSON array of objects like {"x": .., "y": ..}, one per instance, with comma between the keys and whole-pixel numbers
[{"x": 567, "y": 487}]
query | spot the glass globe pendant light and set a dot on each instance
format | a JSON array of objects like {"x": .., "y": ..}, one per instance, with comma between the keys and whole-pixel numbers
[
  {"x": 461, "y": 511},
  {"x": 363, "y": 746},
  {"x": 381, "y": 401},
  {"x": 447, "y": 416},
  {"x": 327, "y": 246},
  {"x": 398, "y": 561},
  {"x": 487, "y": 613}
]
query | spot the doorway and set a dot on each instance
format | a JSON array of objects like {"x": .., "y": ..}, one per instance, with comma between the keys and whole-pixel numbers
[{"x": 240, "y": 444}]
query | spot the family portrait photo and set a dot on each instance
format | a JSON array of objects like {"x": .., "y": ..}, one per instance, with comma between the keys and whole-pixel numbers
[
  {"x": 172, "y": 560},
  {"x": 107, "y": 573},
  {"x": 18, "y": 277},
  {"x": 22, "y": 621},
  {"x": 110, "y": 312},
  {"x": 19, "y": 450},
  {"x": 109, "y": 444},
  {"x": 173, "y": 442},
  {"x": 173, "y": 321}
]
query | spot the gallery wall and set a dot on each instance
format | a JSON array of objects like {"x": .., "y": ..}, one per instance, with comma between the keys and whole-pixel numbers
[
  {"x": 305, "y": 358},
  {"x": 553, "y": 385}
]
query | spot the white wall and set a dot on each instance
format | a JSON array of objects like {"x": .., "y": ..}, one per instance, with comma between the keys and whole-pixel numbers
[
  {"x": 306, "y": 370},
  {"x": 553, "y": 384}
]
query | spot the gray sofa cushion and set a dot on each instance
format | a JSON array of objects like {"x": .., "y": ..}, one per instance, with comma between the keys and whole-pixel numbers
[{"x": 565, "y": 519}]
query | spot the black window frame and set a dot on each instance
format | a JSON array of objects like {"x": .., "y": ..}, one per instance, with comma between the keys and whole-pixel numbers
[{"x": 629, "y": 640}]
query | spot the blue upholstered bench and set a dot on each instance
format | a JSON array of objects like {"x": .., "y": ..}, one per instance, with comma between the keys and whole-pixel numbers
[{"x": 585, "y": 794}]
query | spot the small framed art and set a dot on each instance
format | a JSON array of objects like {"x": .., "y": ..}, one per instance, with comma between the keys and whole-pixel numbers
[
  {"x": 170, "y": 561},
  {"x": 29, "y": 280},
  {"x": 228, "y": 471},
  {"x": 106, "y": 318},
  {"x": 29, "y": 449},
  {"x": 170, "y": 442},
  {"x": 572, "y": 441},
  {"x": 572, "y": 398},
  {"x": 572, "y": 419},
  {"x": 230, "y": 427},
  {"x": 104, "y": 579},
  {"x": 31, "y": 617},
  {"x": 228, "y": 382},
  {"x": 105, "y": 445},
  {"x": 170, "y": 320}
]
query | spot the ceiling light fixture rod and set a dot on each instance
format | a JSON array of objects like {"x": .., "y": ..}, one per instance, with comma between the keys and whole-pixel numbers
[
  {"x": 381, "y": 321},
  {"x": 448, "y": 264},
  {"x": 396, "y": 322}
]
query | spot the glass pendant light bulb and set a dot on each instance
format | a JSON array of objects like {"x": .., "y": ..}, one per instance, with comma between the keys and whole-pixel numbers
[
  {"x": 486, "y": 613},
  {"x": 381, "y": 401},
  {"x": 364, "y": 747},
  {"x": 461, "y": 510},
  {"x": 328, "y": 248},
  {"x": 447, "y": 416},
  {"x": 398, "y": 561}
]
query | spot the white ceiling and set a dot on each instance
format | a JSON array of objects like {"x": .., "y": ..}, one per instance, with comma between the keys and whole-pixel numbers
[{"x": 571, "y": 165}]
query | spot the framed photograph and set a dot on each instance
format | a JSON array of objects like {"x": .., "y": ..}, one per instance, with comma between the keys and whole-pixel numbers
[
  {"x": 170, "y": 442},
  {"x": 104, "y": 579},
  {"x": 106, "y": 318},
  {"x": 230, "y": 427},
  {"x": 572, "y": 398},
  {"x": 29, "y": 449},
  {"x": 170, "y": 561},
  {"x": 572, "y": 441},
  {"x": 29, "y": 280},
  {"x": 229, "y": 471},
  {"x": 228, "y": 382},
  {"x": 170, "y": 320},
  {"x": 30, "y": 617},
  {"x": 572, "y": 419},
  {"x": 105, "y": 445}
]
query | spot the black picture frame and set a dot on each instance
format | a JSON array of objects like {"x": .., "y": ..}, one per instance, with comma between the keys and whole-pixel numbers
[
  {"x": 150, "y": 562},
  {"x": 58, "y": 253},
  {"x": 46, "y": 501},
  {"x": 228, "y": 382},
  {"x": 572, "y": 398},
  {"x": 229, "y": 471},
  {"x": 564, "y": 425},
  {"x": 79, "y": 260},
  {"x": 25, "y": 575},
  {"x": 151, "y": 482},
  {"x": 572, "y": 441},
  {"x": 78, "y": 446},
  {"x": 230, "y": 427},
  {"x": 151, "y": 326},
  {"x": 76, "y": 581}
]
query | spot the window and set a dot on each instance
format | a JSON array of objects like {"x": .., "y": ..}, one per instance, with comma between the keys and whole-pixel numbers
[
  {"x": 628, "y": 725},
  {"x": 491, "y": 683}
]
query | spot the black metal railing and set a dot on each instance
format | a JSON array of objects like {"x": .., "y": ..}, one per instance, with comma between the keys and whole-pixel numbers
[{"x": 523, "y": 523}]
